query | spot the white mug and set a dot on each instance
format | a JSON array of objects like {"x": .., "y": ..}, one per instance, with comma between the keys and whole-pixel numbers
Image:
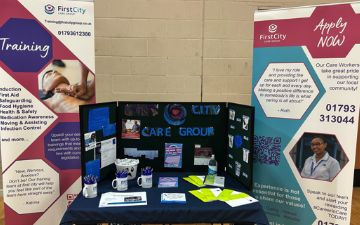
[
  {"x": 90, "y": 190},
  {"x": 145, "y": 181},
  {"x": 120, "y": 184}
]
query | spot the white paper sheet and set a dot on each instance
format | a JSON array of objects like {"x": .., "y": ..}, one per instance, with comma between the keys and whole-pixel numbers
[
  {"x": 115, "y": 199},
  {"x": 108, "y": 152},
  {"x": 241, "y": 201}
]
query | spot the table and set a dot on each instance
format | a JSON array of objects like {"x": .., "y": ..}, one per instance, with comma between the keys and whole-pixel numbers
[{"x": 85, "y": 211}]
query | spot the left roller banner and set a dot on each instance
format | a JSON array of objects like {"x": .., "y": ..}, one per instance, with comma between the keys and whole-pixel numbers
[{"x": 47, "y": 68}]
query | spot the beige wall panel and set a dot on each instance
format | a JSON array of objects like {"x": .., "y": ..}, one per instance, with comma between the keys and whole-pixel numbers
[
  {"x": 227, "y": 85},
  {"x": 228, "y": 10},
  {"x": 148, "y": 66},
  {"x": 219, "y": 48},
  {"x": 183, "y": 66},
  {"x": 150, "y": 9},
  {"x": 220, "y": 29},
  {"x": 184, "y": 28},
  {"x": 129, "y": 46},
  {"x": 227, "y": 66},
  {"x": 103, "y": 92},
  {"x": 156, "y": 84},
  {"x": 102, "y": 46},
  {"x": 112, "y": 65},
  {"x": 130, "y": 28},
  {"x": 175, "y": 47},
  {"x": 164, "y": 50},
  {"x": 243, "y": 99}
]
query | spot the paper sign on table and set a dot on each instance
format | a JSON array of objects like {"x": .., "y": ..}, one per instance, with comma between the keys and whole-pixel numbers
[
  {"x": 114, "y": 199},
  {"x": 173, "y": 198}
]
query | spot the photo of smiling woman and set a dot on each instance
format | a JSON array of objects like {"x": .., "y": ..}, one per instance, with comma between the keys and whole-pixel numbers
[
  {"x": 320, "y": 165},
  {"x": 318, "y": 156}
]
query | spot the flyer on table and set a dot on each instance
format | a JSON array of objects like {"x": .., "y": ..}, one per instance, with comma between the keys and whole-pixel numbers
[
  {"x": 306, "y": 94},
  {"x": 46, "y": 71}
]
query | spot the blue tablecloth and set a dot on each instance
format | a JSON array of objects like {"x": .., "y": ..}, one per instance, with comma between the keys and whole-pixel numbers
[{"x": 84, "y": 210}]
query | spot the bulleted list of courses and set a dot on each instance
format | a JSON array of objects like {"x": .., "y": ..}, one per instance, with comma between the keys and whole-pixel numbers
[{"x": 18, "y": 113}]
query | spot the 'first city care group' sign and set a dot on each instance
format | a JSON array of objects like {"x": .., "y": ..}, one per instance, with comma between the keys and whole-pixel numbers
[
  {"x": 43, "y": 45},
  {"x": 306, "y": 94}
]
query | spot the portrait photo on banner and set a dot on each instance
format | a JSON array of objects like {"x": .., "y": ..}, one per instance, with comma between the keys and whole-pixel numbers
[{"x": 318, "y": 156}]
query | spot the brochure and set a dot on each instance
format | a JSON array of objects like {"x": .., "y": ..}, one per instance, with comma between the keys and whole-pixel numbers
[
  {"x": 228, "y": 194},
  {"x": 198, "y": 181},
  {"x": 173, "y": 155},
  {"x": 206, "y": 194},
  {"x": 173, "y": 198},
  {"x": 168, "y": 182}
]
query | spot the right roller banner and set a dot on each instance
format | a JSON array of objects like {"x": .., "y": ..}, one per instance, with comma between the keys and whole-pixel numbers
[{"x": 306, "y": 71}]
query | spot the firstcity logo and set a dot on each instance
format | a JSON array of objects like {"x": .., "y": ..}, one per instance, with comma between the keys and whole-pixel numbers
[
  {"x": 64, "y": 10},
  {"x": 273, "y": 35},
  {"x": 49, "y": 9},
  {"x": 272, "y": 28}
]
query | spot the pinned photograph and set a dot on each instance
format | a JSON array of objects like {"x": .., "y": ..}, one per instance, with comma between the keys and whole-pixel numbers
[
  {"x": 141, "y": 109},
  {"x": 90, "y": 140},
  {"x": 130, "y": 129},
  {"x": 245, "y": 124},
  {"x": 231, "y": 140},
  {"x": 231, "y": 114},
  {"x": 202, "y": 155},
  {"x": 237, "y": 168},
  {"x": 246, "y": 153},
  {"x": 238, "y": 141}
]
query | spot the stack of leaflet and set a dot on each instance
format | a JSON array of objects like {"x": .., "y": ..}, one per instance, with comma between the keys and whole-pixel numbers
[
  {"x": 231, "y": 197},
  {"x": 206, "y": 194},
  {"x": 198, "y": 181}
]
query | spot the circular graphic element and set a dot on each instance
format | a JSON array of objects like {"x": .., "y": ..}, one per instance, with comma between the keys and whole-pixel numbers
[
  {"x": 175, "y": 114},
  {"x": 49, "y": 9},
  {"x": 272, "y": 28}
]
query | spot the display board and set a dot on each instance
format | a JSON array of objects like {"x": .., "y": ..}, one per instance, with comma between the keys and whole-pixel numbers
[
  {"x": 98, "y": 138},
  {"x": 306, "y": 95},
  {"x": 240, "y": 142},
  {"x": 173, "y": 136},
  {"x": 46, "y": 47},
  {"x": 167, "y": 136}
]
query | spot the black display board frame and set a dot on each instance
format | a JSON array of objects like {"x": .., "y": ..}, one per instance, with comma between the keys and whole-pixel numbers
[
  {"x": 240, "y": 146},
  {"x": 89, "y": 156},
  {"x": 216, "y": 142},
  {"x": 219, "y": 142}
]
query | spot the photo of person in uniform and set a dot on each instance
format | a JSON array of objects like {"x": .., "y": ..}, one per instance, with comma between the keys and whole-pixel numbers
[
  {"x": 320, "y": 165},
  {"x": 318, "y": 156}
]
